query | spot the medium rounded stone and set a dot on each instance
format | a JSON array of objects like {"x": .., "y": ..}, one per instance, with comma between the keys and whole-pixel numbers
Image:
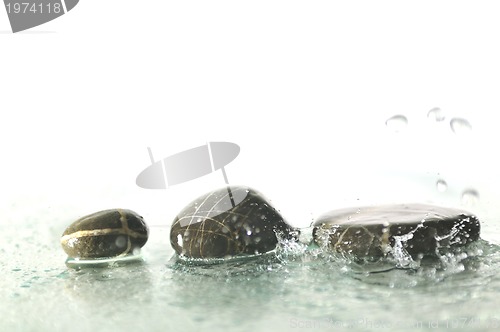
[
  {"x": 104, "y": 234},
  {"x": 227, "y": 222},
  {"x": 418, "y": 229}
]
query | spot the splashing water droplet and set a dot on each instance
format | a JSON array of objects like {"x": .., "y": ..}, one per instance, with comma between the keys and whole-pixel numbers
[
  {"x": 460, "y": 126},
  {"x": 436, "y": 114},
  {"x": 470, "y": 197},
  {"x": 441, "y": 185},
  {"x": 397, "y": 123}
]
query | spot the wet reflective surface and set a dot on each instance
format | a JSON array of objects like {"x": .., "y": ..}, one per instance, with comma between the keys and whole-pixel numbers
[{"x": 295, "y": 286}]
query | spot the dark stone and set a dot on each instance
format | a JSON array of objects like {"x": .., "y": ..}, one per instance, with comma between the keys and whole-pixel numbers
[
  {"x": 419, "y": 229},
  {"x": 104, "y": 234},
  {"x": 228, "y": 222}
]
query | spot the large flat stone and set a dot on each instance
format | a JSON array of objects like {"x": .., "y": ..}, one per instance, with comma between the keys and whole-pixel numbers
[{"x": 375, "y": 231}]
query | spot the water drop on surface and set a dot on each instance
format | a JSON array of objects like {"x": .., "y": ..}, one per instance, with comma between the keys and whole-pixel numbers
[
  {"x": 460, "y": 126},
  {"x": 470, "y": 197},
  {"x": 397, "y": 123},
  {"x": 121, "y": 241},
  {"x": 436, "y": 114},
  {"x": 441, "y": 185}
]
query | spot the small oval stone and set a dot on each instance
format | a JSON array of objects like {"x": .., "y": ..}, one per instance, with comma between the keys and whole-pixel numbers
[
  {"x": 104, "y": 234},
  {"x": 228, "y": 222},
  {"x": 372, "y": 232}
]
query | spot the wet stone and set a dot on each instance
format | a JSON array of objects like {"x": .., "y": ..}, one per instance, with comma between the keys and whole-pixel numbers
[
  {"x": 228, "y": 222},
  {"x": 374, "y": 232},
  {"x": 105, "y": 234}
]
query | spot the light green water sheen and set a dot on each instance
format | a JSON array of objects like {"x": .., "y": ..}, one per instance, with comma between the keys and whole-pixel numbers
[{"x": 297, "y": 288}]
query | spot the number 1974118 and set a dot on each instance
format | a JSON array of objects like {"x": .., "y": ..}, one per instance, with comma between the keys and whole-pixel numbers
[{"x": 33, "y": 8}]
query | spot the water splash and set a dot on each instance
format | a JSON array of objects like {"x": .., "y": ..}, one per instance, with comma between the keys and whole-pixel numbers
[
  {"x": 397, "y": 123},
  {"x": 290, "y": 249},
  {"x": 293, "y": 261},
  {"x": 397, "y": 268},
  {"x": 401, "y": 257}
]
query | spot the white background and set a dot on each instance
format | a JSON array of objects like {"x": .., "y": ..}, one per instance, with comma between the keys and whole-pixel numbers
[{"x": 304, "y": 87}]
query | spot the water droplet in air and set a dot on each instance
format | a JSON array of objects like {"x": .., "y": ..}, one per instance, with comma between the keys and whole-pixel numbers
[
  {"x": 470, "y": 197},
  {"x": 441, "y": 185},
  {"x": 397, "y": 123},
  {"x": 436, "y": 114},
  {"x": 460, "y": 126}
]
